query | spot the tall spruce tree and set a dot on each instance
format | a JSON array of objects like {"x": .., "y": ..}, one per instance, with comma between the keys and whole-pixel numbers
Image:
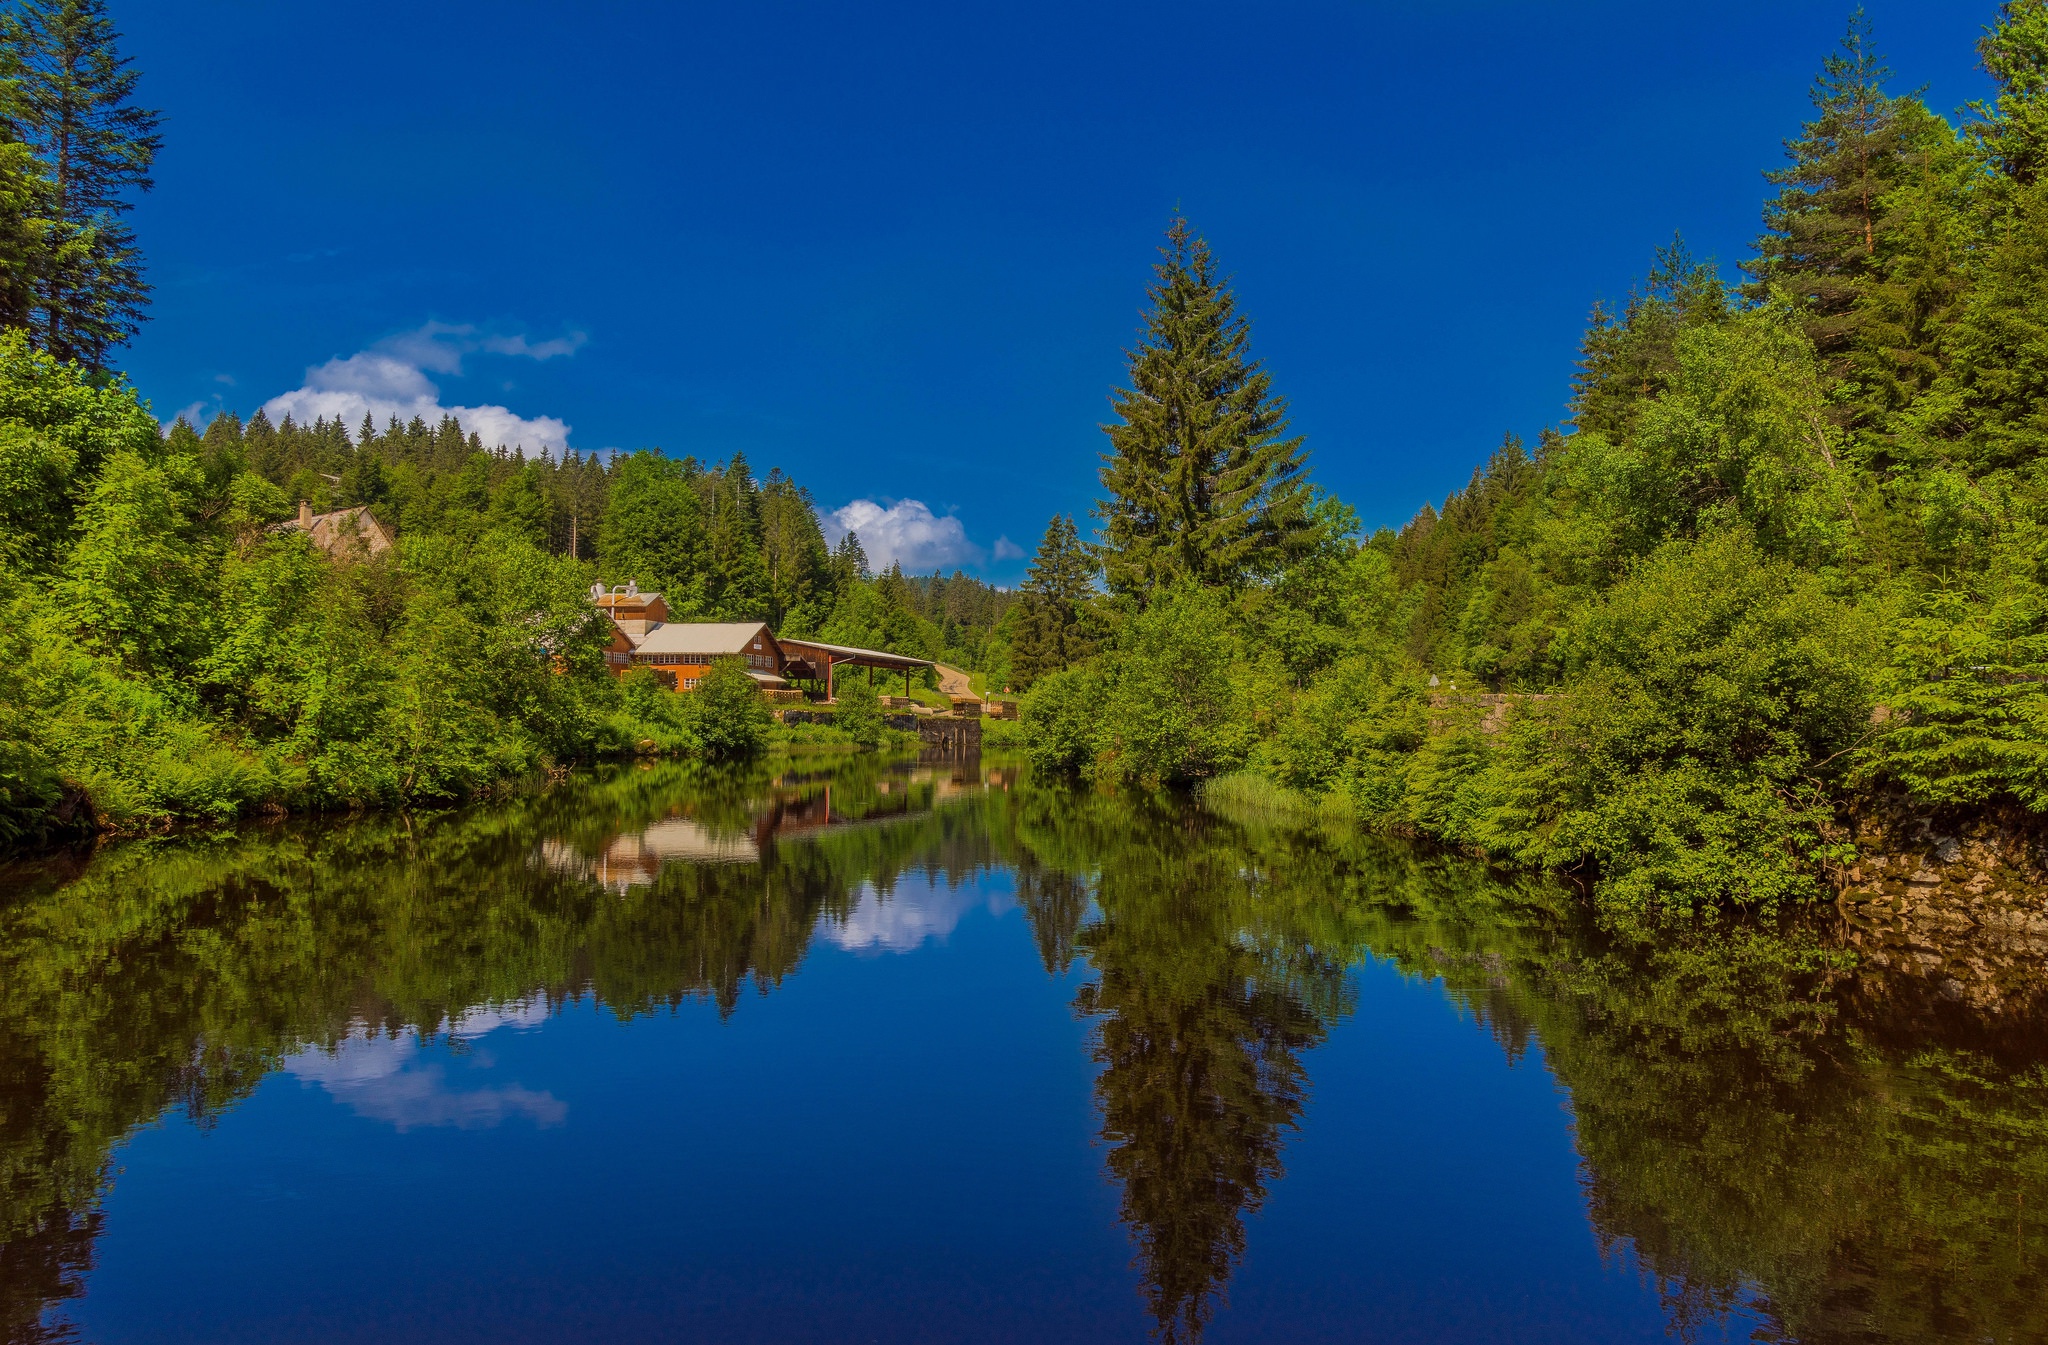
[
  {"x": 1055, "y": 628},
  {"x": 739, "y": 575},
  {"x": 75, "y": 109},
  {"x": 800, "y": 579},
  {"x": 1824, "y": 227},
  {"x": 1204, "y": 482},
  {"x": 2012, "y": 129}
]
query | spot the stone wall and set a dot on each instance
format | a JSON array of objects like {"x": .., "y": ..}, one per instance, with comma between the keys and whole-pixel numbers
[{"x": 1960, "y": 902}]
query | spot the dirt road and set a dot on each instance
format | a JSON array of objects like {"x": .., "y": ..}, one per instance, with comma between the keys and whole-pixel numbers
[{"x": 953, "y": 682}]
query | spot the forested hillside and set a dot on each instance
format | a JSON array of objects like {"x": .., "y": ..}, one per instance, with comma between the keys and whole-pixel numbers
[
  {"x": 168, "y": 652},
  {"x": 1783, "y": 560}
]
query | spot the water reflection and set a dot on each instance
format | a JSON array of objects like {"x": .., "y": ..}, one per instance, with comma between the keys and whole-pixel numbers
[
  {"x": 903, "y": 919},
  {"x": 390, "y": 1077},
  {"x": 1769, "y": 1128}
]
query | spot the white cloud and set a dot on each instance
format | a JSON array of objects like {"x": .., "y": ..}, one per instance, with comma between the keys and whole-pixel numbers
[
  {"x": 907, "y": 532},
  {"x": 386, "y": 1077},
  {"x": 1005, "y": 549},
  {"x": 390, "y": 379},
  {"x": 902, "y": 920}
]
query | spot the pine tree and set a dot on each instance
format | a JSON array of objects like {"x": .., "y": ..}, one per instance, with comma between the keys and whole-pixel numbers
[
  {"x": 75, "y": 110},
  {"x": 739, "y": 575},
  {"x": 793, "y": 548},
  {"x": 2012, "y": 131},
  {"x": 1055, "y": 626},
  {"x": 1204, "y": 482},
  {"x": 850, "y": 562},
  {"x": 1824, "y": 227}
]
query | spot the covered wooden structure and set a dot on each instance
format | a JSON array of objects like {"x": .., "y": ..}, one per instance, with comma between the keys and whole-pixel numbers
[{"x": 815, "y": 661}]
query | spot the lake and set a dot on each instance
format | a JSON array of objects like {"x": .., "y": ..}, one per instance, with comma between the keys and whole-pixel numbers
[{"x": 864, "y": 1050}]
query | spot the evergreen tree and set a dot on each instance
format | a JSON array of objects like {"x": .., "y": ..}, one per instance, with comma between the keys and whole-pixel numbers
[
  {"x": 800, "y": 580},
  {"x": 739, "y": 576},
  {"x": 2012, "y": 131},
  {"x": 850, "y": 562},
  {"x": 1203, "y": 480},
  {"x": 1054, "y": 627},
  {"x": 75, "y": 109},
  {"x": 28, "y": 236},
  {"x": 1627, "y": 359},
  {"x": 1823, "y": 228},
  {"x": 653, "y": 532}
]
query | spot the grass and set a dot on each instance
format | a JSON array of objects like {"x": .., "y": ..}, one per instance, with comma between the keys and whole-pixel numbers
[
  {"x": 1002, "y": 732},
  {"x": 1248, "y": 797}
]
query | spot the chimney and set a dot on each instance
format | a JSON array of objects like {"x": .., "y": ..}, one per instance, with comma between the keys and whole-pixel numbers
[{"x": 305, "y": 514}]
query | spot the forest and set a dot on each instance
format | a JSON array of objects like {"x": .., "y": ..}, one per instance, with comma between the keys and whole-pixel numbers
[
  {"x": 1783, "y": 563},
  {"x": 170, "y": 654}
]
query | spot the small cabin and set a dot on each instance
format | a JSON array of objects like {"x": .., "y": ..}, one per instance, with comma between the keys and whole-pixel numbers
[
  {"x": 342, "y": 533},
  {"x": 683, "y": 651}
]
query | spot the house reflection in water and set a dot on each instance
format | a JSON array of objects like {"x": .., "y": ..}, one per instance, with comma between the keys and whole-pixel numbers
[{"x": 797, "y": 805}]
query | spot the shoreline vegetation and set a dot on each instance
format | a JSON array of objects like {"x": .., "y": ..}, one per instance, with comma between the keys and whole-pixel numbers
[
  {"x": 1781, "y": 567},
  {"x": 1781, "y": 572}
]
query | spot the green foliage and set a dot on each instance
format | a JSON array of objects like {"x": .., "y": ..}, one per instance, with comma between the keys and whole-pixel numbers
[
  {"x": 1715, "y": 693},
  {"x": 1823, "y": 227},
  {"x": 72, "y": 104},
  {"x": 726, "y": 714},
  {"x": 1060, "y": 716},
  {"x": 653, "y": 531},
  {"x": 1204, "y": 483},
  {"x": 857, "y": 712},
  {"x": 1966, "y": 697},
  {"x": 138, "y": 582},
  {"x": 1055, "y": 625},
  {"x": 2012, "y": 131},
  {"x": 58, "y": 427}
]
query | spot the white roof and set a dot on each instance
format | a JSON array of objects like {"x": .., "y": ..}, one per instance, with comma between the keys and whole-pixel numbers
[
  {"x": 702, "y": 637},
  {"x": 851, "y": 651}
]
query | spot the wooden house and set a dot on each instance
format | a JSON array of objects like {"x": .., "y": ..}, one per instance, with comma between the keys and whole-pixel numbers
[
  {"x": 682, "y": 652},
  {"x": 344, "y": 534}
]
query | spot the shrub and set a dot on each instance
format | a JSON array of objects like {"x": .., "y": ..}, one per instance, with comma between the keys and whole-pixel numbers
[
  {"x": 1714, "y": 692},
  {"x": 1059, "y": 720},
  {"x": 858, "y": 712},
  {"x": 726, "y": 714},
  {"x": 1178, "y": 693}
]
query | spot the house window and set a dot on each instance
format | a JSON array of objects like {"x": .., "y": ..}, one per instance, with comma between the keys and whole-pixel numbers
[{"x": 689, "y": 684}]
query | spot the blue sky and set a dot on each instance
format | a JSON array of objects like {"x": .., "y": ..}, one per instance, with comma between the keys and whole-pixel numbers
[{"x": 898, "y": 252}]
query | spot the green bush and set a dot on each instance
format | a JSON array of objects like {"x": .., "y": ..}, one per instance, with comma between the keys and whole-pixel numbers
[
  {"x": 1177, "y": 693},
  {"x": 1714, "y": 696},
  {"x": 726, "y": 714},
  {"x": 1059, "y": 718},
  {"x": 857, "y": 712}
]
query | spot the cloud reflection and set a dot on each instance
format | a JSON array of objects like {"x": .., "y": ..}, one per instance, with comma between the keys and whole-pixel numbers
[
  {"x": 900, "y": 921},
  {"x": 387, "y": 1077}
]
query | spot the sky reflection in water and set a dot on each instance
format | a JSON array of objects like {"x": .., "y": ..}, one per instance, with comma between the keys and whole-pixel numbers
[{"x": 928, "y": 1053}]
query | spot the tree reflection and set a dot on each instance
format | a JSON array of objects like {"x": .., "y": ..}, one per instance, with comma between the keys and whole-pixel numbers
[
  {"x": 1768, "y": 1130},
  {"x": 1205, "y": 995},
  {"x": 163, "y": 976}
]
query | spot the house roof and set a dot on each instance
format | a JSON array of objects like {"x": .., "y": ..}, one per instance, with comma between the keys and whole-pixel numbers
[
  {"x": 621, "y": 598},
  {"x": 846, "y": 653},
  {"x": 340, "y": 528},
  {"x": 701, "y": 637}
]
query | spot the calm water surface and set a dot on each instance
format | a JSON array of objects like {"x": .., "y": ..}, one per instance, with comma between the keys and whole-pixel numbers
[{"x": 922, "y": 1052}]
